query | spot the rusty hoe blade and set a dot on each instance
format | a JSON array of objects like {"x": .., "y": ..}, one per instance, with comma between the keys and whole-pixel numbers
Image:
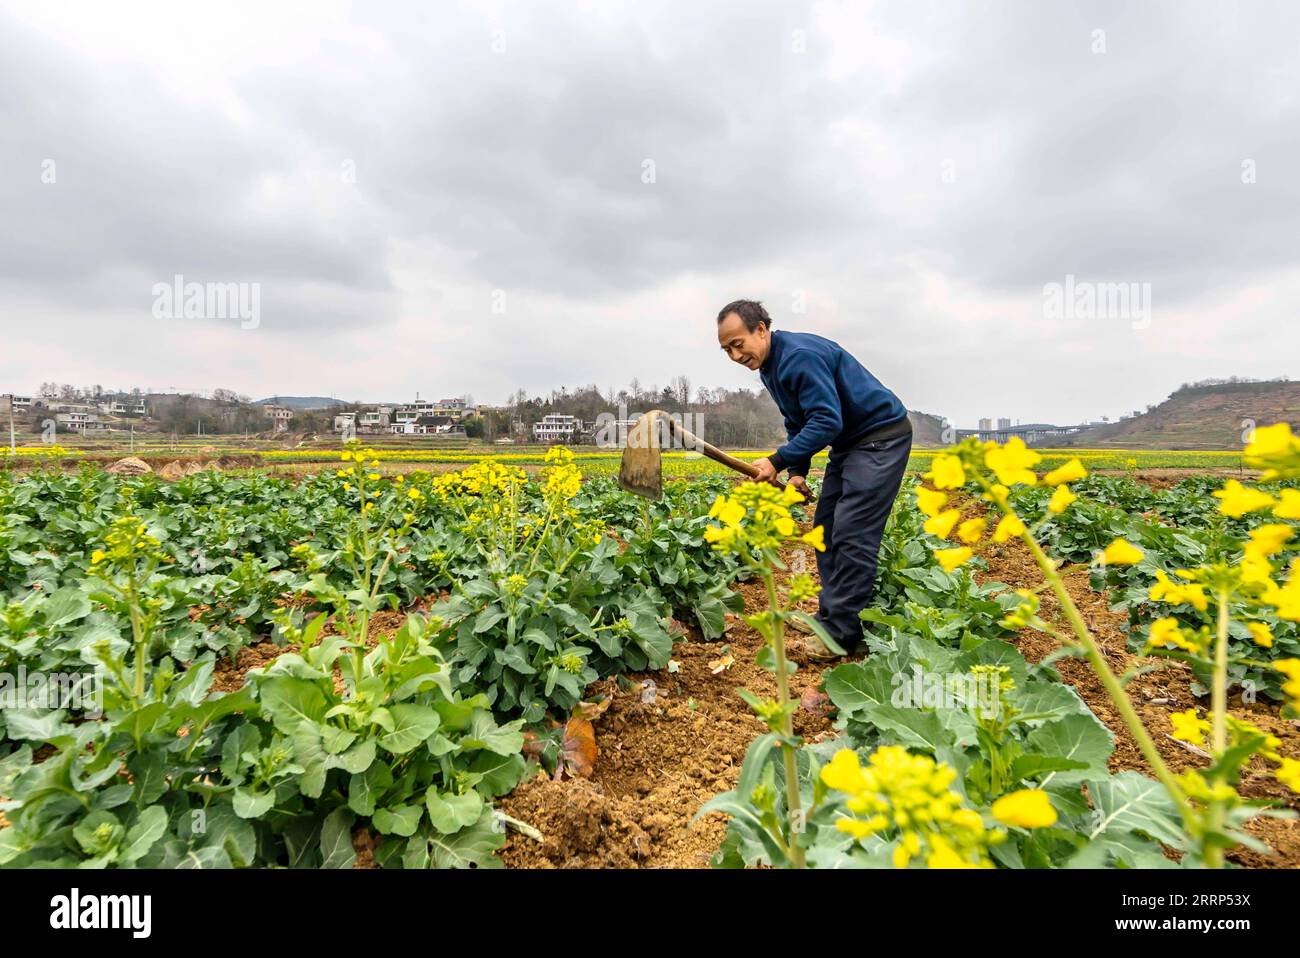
[{"x": 641, "y": 471}]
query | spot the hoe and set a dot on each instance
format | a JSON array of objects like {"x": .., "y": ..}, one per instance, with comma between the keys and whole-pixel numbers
[{"x": 641, "y": 471}]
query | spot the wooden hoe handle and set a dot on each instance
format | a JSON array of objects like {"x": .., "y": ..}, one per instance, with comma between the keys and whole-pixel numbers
[{"x": 691, "y": 440}]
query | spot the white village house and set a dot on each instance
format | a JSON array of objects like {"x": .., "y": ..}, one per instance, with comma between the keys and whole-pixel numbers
[{"x": 555, "y": 427}]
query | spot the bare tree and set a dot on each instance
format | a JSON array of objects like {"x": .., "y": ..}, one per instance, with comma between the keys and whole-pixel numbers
[{"x": 681, "y": 387}]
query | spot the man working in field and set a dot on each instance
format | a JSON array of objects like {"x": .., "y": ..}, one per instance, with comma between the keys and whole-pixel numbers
[{"x": 829, "y": 399}]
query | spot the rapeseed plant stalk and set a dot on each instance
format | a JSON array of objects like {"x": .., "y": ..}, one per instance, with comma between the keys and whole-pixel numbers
[
  {"x": 373, "y": 541},
  {"x": 754, "y": 524},
  {"x": 129, "y": 557},
  {"x": 1207, "y": 801},
  {"x": 490, "y": 498}
]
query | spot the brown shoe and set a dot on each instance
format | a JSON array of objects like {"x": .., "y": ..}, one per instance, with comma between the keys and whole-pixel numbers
[
  {"x": 806, "y": 641},
  {"x": 810, "y": 647},
  {"x": 800, "y": 626}
]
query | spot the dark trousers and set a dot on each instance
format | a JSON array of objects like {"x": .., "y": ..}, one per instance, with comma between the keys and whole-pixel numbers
[{"x": 857, "y": 494}]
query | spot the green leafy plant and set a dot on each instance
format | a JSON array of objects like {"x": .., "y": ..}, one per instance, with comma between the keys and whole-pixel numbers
[{"x": 754, "y": 524}]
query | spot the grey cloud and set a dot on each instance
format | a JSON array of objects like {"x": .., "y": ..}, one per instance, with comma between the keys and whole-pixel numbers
[
  {"x": 776, "y": 171},
  {"x": 147, "y": 187}
]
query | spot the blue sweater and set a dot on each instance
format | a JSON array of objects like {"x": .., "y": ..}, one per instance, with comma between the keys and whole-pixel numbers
[{"x": 827, "y": 397}]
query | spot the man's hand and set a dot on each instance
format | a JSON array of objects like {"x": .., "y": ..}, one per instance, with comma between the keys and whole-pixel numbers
[
  {"x": 766, "y": 471},
  {"x": 801, "y": 486}
]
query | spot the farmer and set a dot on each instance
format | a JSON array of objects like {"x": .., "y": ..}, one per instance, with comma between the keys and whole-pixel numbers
[{"x": 828, "y": 399}]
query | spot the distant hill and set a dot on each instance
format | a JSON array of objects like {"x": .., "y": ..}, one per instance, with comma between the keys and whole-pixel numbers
[
  {"x": 1199, "y": 417},
  {"x": 301, "y": 402},
  {"x": 927, "y": 430}
]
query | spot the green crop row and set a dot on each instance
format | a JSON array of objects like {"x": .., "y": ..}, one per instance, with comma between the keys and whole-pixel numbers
[{"x": 124, "y": 600}]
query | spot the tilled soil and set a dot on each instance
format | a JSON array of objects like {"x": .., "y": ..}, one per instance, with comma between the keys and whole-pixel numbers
[
  {"x": 1155, "y": 696},
  {"x": 659, "y": 761},
  {"x": 663, "y": 755}
]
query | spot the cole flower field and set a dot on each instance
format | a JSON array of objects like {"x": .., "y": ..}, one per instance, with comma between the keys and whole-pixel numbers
[{"x": 350, "y": 667}]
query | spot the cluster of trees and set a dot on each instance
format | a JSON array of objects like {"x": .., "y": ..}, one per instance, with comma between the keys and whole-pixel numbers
[
  {"x": 187, "y": 415},
  {"x": 66, "y": 392},
  {"x": 1230, "y": 381}
]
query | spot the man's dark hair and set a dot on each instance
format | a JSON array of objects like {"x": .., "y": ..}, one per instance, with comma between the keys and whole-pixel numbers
[{"x": 750, "y": 311}]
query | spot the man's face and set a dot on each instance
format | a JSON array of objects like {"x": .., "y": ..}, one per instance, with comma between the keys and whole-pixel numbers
[{"x": 742, "y": 346}]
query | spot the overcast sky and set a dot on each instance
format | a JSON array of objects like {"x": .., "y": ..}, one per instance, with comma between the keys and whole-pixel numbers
[{"x": 476, "y": 198}]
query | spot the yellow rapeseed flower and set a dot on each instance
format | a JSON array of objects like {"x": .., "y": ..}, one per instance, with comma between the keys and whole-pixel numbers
[
  {"x": 1235, "y": 500},
  {"x": 998, "y": 493},
  {"x": 1008, "y": 526},
  {"x": 1121, "y": 552},
  {"x": 1288, "y": 504},
  {"x": 1270, "y": 538},
  {"x": 970, "y": 531},
  {"x": 1027, "y": 808},
  {"x": 930, "y": 501},
  {"x": 1189, "y": 727},
  {"x": 1286, "y": 599},
  {"x": 1255, "y": 569},
  {"x": 911, "y": 793},
  {"x": 1060, "y": 500},
  {"x": 952, "y": 558},
  {"x": 943, "y": 855},
  {"x": 1176, "y": 593},
  {"x": 844, "y": 772},
  {"x": 942, "y": 524},
  {"x": 756, "y": 516},
  {"x": 1072, "y": 471},
  {"x": 1288, "y": 773},
  {"x": 1261, "y": 634},
  {"x": 1291, "y": 669},
  {"x": 1270, "y": 441},
  {"x": 855, "y": 827},
  {"x": 1165, "y": 632},
  {"x": 720, "y": 537},
  {"x": 727, "y": 510},
  {"x": 946, "y": 472},
  {"x": 1012, "y": 463}
]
